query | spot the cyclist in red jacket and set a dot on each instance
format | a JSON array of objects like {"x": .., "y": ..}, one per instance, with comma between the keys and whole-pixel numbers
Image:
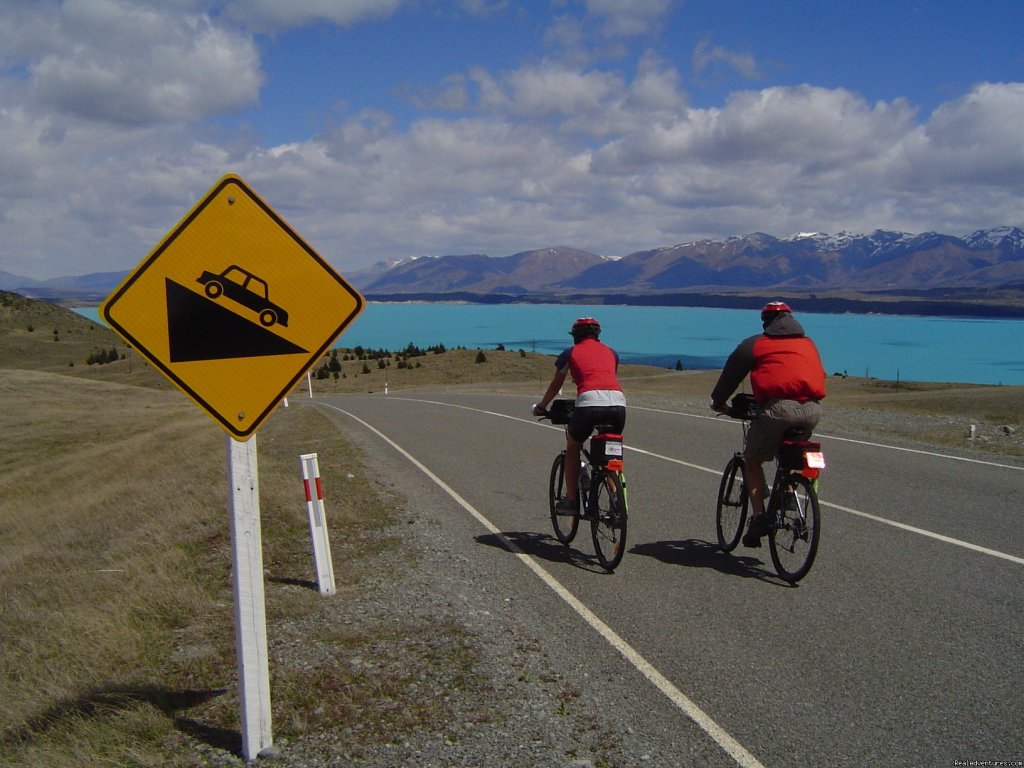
[
  {"x": 599, "y": 398},
  {"x": 788, "y": 381}
]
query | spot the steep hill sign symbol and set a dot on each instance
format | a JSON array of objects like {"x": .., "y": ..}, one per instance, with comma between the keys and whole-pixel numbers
[
  {"x": 200, "y": 329},
  {"x": 233, "y": 307}
]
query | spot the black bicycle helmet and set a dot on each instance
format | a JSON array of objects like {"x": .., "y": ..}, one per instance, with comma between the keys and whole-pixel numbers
[
  {"x": 772, "y": 309},
  {"x": 585, "y": 327}
]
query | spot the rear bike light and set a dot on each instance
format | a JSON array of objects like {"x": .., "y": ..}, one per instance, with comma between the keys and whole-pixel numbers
[{"x": 814, "y": 460}]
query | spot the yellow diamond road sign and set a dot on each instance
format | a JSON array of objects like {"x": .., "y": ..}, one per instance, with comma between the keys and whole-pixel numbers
[{"x": 233, "y": 306}]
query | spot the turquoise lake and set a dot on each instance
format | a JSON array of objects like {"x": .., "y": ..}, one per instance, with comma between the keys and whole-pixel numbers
[{"x": 910, "y": 348}]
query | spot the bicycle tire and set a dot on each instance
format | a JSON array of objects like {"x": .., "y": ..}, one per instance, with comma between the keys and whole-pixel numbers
[
  {"x": 565, "y": 525},
  {"x": 731, "y": 511},
  {"x": 794, "y": 539},
  {"x": 608, "y": 512}
]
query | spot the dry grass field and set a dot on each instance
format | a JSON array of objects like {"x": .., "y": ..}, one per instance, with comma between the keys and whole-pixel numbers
[
  {"x": 115, "y": 587},
  {"x": 115, "y": 596}
]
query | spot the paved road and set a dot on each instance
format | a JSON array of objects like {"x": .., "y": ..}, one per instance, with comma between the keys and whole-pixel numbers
[{"x": 902, "y": 647}]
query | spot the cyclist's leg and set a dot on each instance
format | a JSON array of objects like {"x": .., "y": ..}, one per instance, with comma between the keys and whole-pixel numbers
[
  {"x": 576, "y": 433},
  {"x": 572, "y": 468},
  {"x": 763, "y": 439}
]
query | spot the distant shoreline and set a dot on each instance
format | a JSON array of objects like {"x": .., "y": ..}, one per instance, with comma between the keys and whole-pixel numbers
[
  {"x": 900, "y": 303},
  {"x": 896, "y": 304}
]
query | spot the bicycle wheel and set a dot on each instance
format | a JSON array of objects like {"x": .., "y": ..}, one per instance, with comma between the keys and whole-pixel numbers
[
  {"x": 608, "y": 522},
  {"x": 565, "y": 525},
  {"x": 794, "y": 540},
  {"x": 731, "y": 512}
]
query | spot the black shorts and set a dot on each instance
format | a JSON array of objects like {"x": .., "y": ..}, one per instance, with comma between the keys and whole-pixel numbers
[{"x": 585, "y": 420}]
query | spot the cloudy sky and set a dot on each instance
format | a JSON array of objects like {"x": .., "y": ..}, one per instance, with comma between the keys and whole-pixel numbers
[{"x": 385, "y": 129}]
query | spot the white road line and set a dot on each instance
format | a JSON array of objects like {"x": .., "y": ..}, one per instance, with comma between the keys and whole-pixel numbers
[
  {"x": 851, "y": 440},
  {"x": 930, "y": 534},
  {"x": 840, "y": 507},
  {"x": 662, "y": 683}
]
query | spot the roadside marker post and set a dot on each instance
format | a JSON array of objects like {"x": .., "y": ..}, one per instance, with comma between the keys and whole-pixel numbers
[
  {"x": 318, "y": 523},
  {"x": 250, "y": 607},
  {"x": 232, "y": 306}
]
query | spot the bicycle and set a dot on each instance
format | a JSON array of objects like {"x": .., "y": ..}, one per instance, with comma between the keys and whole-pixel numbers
[
  {"x": 792, "y": 501},
  {"x": 602, "y": 491}
]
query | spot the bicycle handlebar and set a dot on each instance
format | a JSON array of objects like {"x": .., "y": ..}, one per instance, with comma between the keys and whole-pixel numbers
[{"x": 743, "y": 406}]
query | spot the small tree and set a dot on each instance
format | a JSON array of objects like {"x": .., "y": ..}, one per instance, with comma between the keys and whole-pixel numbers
[
  {"x": 679, "y": 365},
  {"x": 481, "y": 357}
]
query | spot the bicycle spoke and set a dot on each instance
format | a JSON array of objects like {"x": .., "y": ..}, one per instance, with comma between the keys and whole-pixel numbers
[
  {"x": 794, "y": 542},
  {"x": 608, "y": 526},
  {"x": 565, "y": 526},
  {"x": 731, "y": 512}
]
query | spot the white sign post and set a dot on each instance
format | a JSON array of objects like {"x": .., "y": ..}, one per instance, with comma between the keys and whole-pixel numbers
[
  {"x": 250, "y": 611},
  {"x": 318, "y": 523},
  {"x": 236, "y": 365}
]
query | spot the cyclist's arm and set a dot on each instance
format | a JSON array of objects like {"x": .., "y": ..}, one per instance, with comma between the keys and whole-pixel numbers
[
  {"x": 556, "y": 384},
  {"x": 737, "y": 367}
]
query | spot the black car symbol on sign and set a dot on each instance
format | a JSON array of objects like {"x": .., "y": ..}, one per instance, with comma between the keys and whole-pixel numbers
[{"x": 248, "y": 290}]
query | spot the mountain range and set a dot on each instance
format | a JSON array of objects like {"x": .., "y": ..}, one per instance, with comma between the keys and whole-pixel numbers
[
  {"x": 805, "y": 262},
  {"x": 883, "y": 261}
]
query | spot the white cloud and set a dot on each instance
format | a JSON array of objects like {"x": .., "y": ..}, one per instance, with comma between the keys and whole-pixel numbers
[
  {"x": 628, "y": 18},
  {"x": 126, "y": 63},
  {"x": 977, "y": 138},
  {"x": 104, "y": 145},
  {"x": 483, "y": 7},
  {"x": 273, "y": 15},
  {"x": 706, "y": 56},
  {"x": 554, "y": 90},
  {"x": 604, "y": 30},
  {"x": 774, "y": 160}
]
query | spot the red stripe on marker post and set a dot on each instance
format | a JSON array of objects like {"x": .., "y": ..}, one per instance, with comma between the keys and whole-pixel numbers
[{"x": 317, "y": 522}]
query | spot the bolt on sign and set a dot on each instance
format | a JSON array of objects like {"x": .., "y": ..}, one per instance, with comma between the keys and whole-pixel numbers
[{"x": 233, "y": 306}]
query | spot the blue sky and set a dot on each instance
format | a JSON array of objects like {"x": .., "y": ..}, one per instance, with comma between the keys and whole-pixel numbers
[{"x": 388, "y": 129}]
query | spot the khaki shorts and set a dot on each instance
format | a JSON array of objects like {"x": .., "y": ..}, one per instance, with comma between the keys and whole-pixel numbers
[{"x": 767, "y": 430}]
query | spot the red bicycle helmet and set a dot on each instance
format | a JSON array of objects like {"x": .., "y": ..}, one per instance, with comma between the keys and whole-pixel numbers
[
  {"x": 773, "y": 308},
  {"x": 585, "y": 327}
]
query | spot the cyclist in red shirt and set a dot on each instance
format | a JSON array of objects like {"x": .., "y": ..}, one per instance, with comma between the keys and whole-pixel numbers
[
  {"x": 788, "y": 381},
  {"x": 599, "y": 397}
]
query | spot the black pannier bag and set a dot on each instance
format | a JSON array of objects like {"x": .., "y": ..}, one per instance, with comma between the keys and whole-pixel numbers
[{"x": 560, "y": 411}]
